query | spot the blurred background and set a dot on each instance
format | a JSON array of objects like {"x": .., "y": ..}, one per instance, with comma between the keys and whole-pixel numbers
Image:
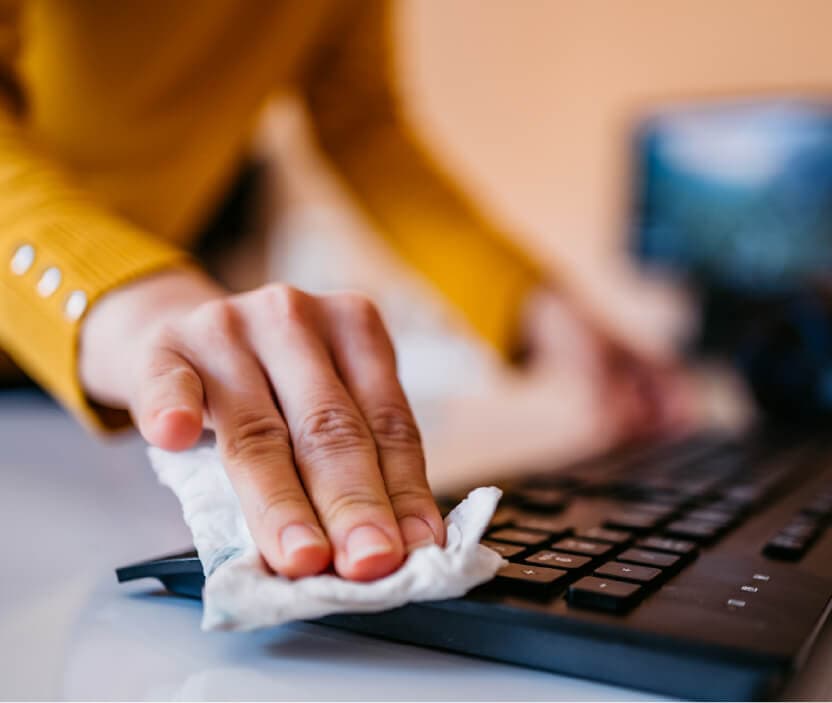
[{"x": 534, "y": 106}]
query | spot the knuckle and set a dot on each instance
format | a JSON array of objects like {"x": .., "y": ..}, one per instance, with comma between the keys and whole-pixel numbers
[
  {"x": 331, "y": 430},
  {"x": 221, "y": 319},
  {"x": 394, "y": 427},
  {"x": 412, "y": 497},
  {"x": 181, "y": 377},
  {"x": 285, "y": 303},
  {"x": 255, "y": 436},
  {"x": 281, "y": 501},
  {"x": 166, "y": 336},
  {"x": 352, "y": 503},
  {"x": 359, "y": 311}
]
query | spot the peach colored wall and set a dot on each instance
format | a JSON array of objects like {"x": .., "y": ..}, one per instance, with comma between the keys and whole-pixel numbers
[{"x": 531, "y": 100}]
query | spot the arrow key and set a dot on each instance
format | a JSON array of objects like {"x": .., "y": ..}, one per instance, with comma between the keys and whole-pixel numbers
[
  {"x": 604, "y": 594},
  {"x": 629, "y": 572}
]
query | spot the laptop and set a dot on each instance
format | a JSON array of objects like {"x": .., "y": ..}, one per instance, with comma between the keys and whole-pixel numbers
[{"x": 698, "y": 567}]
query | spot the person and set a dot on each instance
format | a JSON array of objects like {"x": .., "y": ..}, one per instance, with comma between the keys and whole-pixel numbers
[{"x": 121, "y": 126}]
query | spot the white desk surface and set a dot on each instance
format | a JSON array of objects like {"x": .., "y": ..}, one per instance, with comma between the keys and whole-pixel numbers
[{"x": 72, "y": 509}]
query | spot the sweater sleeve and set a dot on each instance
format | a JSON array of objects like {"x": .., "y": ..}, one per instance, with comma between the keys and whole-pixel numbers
[
  {"x": 59, "y": 250},
  {"x": 350, "y": 90}
]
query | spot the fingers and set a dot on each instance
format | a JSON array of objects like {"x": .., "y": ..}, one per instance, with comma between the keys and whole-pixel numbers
[
  {"x": 168, "y": 408},
  {"x": 333, "y": 447},
  {"x": 366, "y": 361},
  {"x": 256, "y": 450}
]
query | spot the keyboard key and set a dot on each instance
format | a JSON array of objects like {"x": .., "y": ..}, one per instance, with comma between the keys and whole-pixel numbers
[
  {"x": 548, "y": 499},
  {"x": 718, "y": 517},
  {"x": 699, "y": 487},
  {"x": 604, "y": 594},
  {"x": 665, "y": 544},
  {"x": 602, "y": 534},
  {"x": 502, "y": 516},
  {"x": 820, "y": 507},
  {"x": 504, "y": 550},
  {"x": 745, "y": 494},
  {"x": 531, "y": 580},
  {"x": 634, "y": 522},
  {"x": 582, "y": 546},
  {"x": 668, "y": 497},
  {"x": 728, "y": 507},
  {"x": 785, "y": 548},
  {"x": 553, "y": 525},
  {"x": 657, "y": 509},
  {"x": 628, "y": 572},
  {"x": 648, "y": 557},
  {"x": 801, "y": 529},
  {"x": 697, "y": 530},
  {"x": 561, "y": 560},
  {"x": 515, "y": 535}
]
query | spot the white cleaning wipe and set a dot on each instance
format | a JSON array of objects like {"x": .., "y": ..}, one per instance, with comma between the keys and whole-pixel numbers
[{"x": 241, "y": 593}]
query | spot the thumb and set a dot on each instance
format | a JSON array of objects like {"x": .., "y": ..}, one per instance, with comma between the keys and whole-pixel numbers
[{"x": 168, "y": 408}]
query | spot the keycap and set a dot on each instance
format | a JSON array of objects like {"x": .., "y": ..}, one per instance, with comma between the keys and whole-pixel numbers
[
  {"x": 820, "y": 506},
  {"x": 604, "y": 594},
  {"x": 719, "y": 517},
  {"x": 727, "y": 506},
  {"x": 665, "y": 544},
  {"x": 668, "y": 497},
  {"x": 561, "y": 560},
  {"x": 785, "y": 548},
  {"x": 628, "y": 572},
  {"x": 519, "y": 536},
  {"x": 696, "y": 530},
  {"x": 634, "y": 522},
  {"x": 801, "y": 529},
  {"x": 602, "y": 534},
  {"x": 503, "y": 549},
  {"x": 744, "y": 494},
  {"x": 553, "y": 525},
  {"x": 582, "y": 546},
  {"x": 699, "y": 487},
  {"x": 502, "y": 516},
  {"x": 548, "y": 499},
  {"x": 659, "y": 510},
  {"x": 531, "y": 580},
  {"x": 648, "y": 557}
]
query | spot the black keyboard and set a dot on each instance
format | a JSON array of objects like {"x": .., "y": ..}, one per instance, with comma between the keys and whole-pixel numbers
[{"x": 700, "y": 568}]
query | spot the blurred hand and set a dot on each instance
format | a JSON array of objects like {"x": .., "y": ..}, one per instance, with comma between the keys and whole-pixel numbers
[
  {"x": 314, "y": 430},
  {"x": 636, "y": 393}
]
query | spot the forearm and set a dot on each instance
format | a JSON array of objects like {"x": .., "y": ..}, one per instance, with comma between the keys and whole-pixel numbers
[
  {"x": 426, "y": 217},
  {"x": 59, "y": 253}
]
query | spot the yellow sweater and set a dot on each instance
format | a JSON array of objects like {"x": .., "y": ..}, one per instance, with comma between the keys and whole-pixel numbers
[{"x": 121, "y": 124}]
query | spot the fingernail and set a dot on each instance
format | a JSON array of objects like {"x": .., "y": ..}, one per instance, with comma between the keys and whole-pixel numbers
[
  {"x": 416, "y": 532},
  {"x": 294, "y": 538},
  {"x": 367, "y": 541}
]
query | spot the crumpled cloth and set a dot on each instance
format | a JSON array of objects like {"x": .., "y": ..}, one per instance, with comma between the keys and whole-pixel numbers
[{"x": 241, "y": 593}]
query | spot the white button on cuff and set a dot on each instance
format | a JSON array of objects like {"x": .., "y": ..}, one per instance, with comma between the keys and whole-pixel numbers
[
  {"x": 76, "y": 305},
  {"x": 23, "y": 259},
  {"x": 49, "y": 282}
]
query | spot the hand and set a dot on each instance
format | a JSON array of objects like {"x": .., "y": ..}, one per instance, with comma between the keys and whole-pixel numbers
[
  {"x": 314, "y": 430},
  {"x": 634, "y": 393}
]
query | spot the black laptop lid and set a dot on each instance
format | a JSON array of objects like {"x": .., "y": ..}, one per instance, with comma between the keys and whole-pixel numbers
[{"x": 736, "y": 199}]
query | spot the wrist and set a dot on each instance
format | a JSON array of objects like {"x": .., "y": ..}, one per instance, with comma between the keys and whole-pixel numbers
[{"x": 117, "y": 328}]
